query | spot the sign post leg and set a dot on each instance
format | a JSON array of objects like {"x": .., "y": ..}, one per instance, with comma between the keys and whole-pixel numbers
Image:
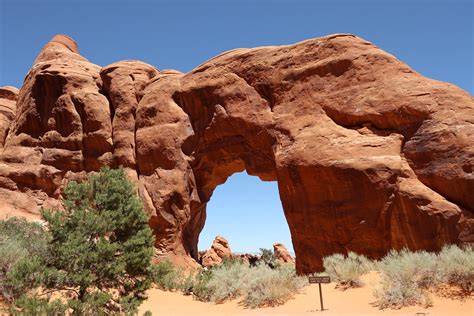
[{"x": 321, "y": 297}]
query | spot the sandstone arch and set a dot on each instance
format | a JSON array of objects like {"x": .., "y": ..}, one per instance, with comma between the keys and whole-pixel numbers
[{"x": 368, "y": 154}]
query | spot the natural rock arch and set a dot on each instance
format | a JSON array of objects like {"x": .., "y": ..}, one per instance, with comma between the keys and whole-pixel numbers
[{"x": 368, "y": 154}]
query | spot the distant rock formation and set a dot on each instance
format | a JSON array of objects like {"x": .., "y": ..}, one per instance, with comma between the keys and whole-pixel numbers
[
  {"x": 247, "y": 258},
  {"x": 368, "y": 154},
  {"x": 281, "y": 253},
  {"x": 219, "y": 250}
]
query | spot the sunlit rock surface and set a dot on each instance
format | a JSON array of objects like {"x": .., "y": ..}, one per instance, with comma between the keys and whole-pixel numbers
[{"x": 368, "y": 154}]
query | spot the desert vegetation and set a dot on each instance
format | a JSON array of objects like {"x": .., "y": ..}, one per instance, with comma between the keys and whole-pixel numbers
[
  {"x": 347, "y": 270},
  {"x": 92, "y": 258},
  {"x": 266, "y": 283},
  {"x": 407, "y": 278}
]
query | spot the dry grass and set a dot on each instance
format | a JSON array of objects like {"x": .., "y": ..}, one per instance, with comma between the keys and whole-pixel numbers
[
  {"x": 408, "y": 277},
  {"x": 346, "y": 270}
]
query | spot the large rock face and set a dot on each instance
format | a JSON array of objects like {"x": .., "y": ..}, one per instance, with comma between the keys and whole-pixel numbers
[{"x": 368, "y": 154}]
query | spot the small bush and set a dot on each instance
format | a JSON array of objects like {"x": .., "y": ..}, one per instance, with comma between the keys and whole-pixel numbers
[
  {"x": 346, "y": 270},
  {"x": 271, "y": 287},
  {"x": 268, "y": 257},
  {"x": 228, "y": 281},
  {"x": 456, "y": 267},
  {"x": 396, "y": 293},
  {"x": 200, "y": 288},
  {"x": 11, "y": 250},
  {"x": 405, "y": 277},
  {"x": 22, "y": 246},
  {"x": 30, "y": 235},
  {"x": 187, "y": 285},
  {"x": 166, "y": 276}
]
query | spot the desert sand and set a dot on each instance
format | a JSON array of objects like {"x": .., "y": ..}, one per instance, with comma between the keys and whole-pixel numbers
[{"x": 357, "y": 301}]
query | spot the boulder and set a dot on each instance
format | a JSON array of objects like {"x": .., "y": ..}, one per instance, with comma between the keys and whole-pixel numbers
[{"x": 281, "y": 253}]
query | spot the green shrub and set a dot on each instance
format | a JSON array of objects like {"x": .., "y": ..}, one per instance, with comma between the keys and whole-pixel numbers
[
  {"x": 187, "y": 285},
  {"x": 30, "y": 235},
  {"x": 166, "y": 276},
  {"x": 26, "y": 274},
  {"x": 100, "y": 248},
  {"x": 22, "y": 245},
  {"x": 37, "y": 306},
  {"x": 95, "y": 303},
  {"x": 268, "y": 257},
  {"x": 200, "y": 288},
  {"x": 11, "y": 250},
  {"x": 346, "y": 270}
]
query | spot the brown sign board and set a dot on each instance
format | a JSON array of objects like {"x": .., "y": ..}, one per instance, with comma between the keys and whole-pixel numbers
[{"x": 319, "y": 279}]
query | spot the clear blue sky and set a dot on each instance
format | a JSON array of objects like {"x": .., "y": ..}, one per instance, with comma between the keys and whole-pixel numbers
[{"x": 435, "y": 37}]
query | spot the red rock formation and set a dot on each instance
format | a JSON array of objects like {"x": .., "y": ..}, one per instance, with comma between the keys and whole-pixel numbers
[
  {"x": 368, "y": 154},
  {"x": 8, "y": 97},
  {"x": 281, "y": 253},
  {"x": 215, "y": 255}
]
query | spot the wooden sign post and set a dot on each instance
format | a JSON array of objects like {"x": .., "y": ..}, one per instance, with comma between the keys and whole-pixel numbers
[{"x": 319, "y": 280}]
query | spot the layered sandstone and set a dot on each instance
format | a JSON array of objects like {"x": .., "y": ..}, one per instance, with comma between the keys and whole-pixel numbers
[
  {"x": 368, "y": 154},
  {"x": 215, "y": 255}
]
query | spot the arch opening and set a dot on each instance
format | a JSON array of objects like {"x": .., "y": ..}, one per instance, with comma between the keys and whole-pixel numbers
[{"x": 248, "y": 213}]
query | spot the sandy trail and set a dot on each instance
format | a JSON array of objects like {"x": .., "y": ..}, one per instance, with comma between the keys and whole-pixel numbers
[{"x": 351, "y": 302}]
